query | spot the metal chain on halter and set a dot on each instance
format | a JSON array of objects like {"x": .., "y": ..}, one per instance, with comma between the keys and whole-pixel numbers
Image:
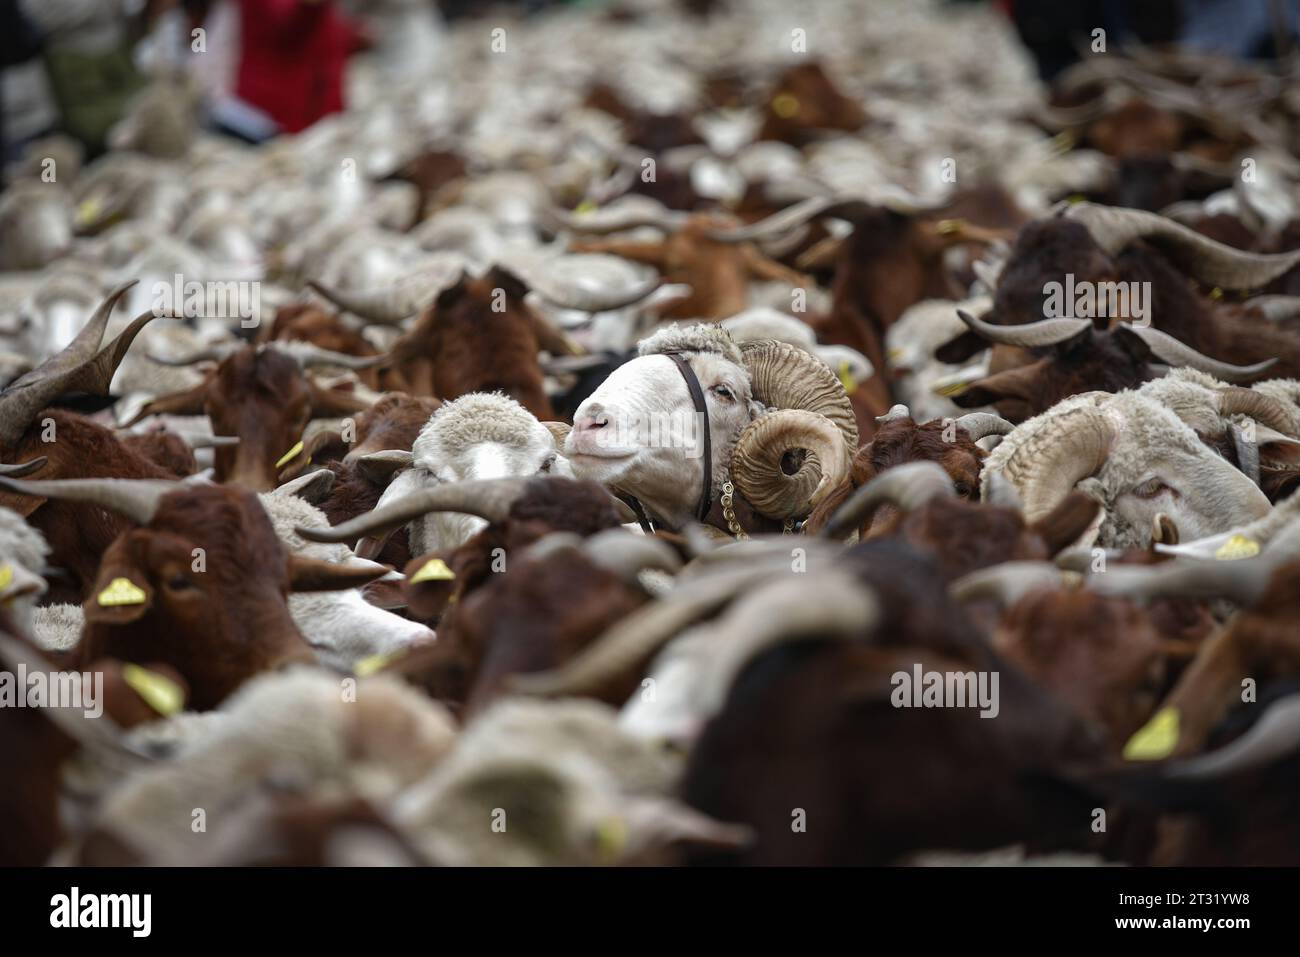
[{"x": 729, "y": 513}]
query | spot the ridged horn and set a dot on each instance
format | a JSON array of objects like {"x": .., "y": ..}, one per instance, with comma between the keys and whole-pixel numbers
[
  {"x": 757, "y": 459},
  {"x": 81, "y": 367},
  {"x": 1046, "y": 467},
  {"x": 1262, "y": 408},
  {"x": 786, "y": 377}
]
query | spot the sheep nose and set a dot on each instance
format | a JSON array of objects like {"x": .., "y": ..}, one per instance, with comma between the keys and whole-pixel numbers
[{"x": 592, "y": 420}]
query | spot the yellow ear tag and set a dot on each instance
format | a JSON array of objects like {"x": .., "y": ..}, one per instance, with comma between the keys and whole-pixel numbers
[
  {"x": 949, "y": 227},
  {"x": 1062, "y": 141},
  {"x": 372, "y": 663},
  {"x": 1238, "y": 546},
  {"x": 1156, "y": 739},
  {"x": 1076, "y": 199},
  {"x": 611, "y": 837},
  {"x": 785, "y": 106},
  {"x": 846, "y": 378},
  {"x": 290, "y": 455},
  {"x": 1216, "y": 293},
  {"x": 6, "y": 575},
  {"x": 586, "y": 206},
  {"x": 434, "y": 570},
  {"x": 121, "y": 591},
  {"x": 951, "y": 389},
  {"x": 162, "y": 694},
  {"x": 88, "y": 211}
]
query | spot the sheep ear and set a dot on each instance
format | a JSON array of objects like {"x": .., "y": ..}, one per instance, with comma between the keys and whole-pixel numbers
[
  {"x": 311, "y": 488},
  {"x": 515, "y": 287},
  {"x": 380, "y": 467},
  {"x": 1065, "y": 523},
  {"x": 311, "y": 574}
]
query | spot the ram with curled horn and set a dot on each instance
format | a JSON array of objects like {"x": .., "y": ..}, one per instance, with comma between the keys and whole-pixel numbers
[
  {"x": 744, "y": 438},
  {"x": 1154, "y": 477}
]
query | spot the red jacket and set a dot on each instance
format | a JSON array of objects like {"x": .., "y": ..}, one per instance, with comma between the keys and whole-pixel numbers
[{"x": 292, "y": 56}]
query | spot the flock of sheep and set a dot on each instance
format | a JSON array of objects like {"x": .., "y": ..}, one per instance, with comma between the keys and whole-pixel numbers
[{"x": 649, "y": 437}]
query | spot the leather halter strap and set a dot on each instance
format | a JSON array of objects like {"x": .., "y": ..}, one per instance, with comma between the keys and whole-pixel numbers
[{"x": 697, "y": 396}]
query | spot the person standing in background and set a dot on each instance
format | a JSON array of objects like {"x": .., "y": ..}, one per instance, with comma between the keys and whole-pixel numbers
[{"x": 292, "y": 57}]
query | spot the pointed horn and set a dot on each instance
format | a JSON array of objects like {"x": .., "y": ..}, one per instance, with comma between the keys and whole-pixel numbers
[
  {"x": 835, "y": 604},
  {"x": 1274, "y": 736},
  {"x": 1276, "y": 308},
  {"x": 1211, "y": 262},
  {"x": 908, "y": 486},
  {"x": 572, "y": 296},
  {"x": 216, "y": 352},
  {"x": 136, "y": 499},
  {"x": 626, "y": 554},
  {"x": 210, "y": 441},
  {"x": 491, "y": 499},
  {"x": 1242, "y": 581},
  {"x": 19, "y": 469},
  {"x": 1030, "y": 335},
  {"x": 392, "y": 304},
  {"x": 309, "y": 355},
  {"x": 896, "y": 413},
  {"x": 1168, "y": 349},
  {"x": 604, "y": 222},
  {"x": 981, "y": 424},
  {"x": 636, "y": 637},
  {"x": 792, "y": 217},
  {"x": 79, "y": 366},
  {"x": 189, "y": 402},
  {"x": 1006, "y": 583}
]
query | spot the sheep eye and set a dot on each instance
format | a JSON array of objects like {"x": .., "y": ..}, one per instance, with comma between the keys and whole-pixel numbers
[
  {"x": 1150, "y": 488},
  {"x": 179, "y": 583},
  {"x": 722, "y": 392},
  {"x": 962, "y": 489}
]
